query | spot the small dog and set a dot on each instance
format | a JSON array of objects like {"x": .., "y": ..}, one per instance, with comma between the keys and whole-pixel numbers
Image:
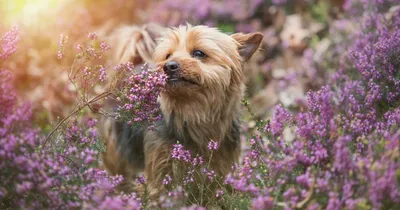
[{"x": 201, "y": 102}]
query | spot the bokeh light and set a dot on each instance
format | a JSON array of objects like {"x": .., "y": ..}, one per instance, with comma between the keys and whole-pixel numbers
[{"x": 26, "y": 11}]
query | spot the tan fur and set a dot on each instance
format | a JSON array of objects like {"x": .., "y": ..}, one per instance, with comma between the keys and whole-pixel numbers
[
  {"x": 133, "y": 43},
  {"x": 208, "y": 108},
  {"x": 199, "y": 112},
  {"x": 158, "y": 162},
  {"x": 112, "y": 160}
]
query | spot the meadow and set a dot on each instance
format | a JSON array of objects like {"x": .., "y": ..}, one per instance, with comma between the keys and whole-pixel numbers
[{"x": 320, "y": 121}]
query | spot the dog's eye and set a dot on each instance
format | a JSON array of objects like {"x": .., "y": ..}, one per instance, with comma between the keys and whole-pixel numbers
[
  {"x": 198, "y": 54},
  {"x": 169, "y": 55}
]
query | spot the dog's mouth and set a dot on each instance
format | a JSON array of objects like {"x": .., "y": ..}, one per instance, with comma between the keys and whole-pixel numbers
[{"x": 176, "y": 79}]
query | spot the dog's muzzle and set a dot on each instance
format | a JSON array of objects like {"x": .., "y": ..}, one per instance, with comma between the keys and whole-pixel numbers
[{"x": 171, "y": 69}]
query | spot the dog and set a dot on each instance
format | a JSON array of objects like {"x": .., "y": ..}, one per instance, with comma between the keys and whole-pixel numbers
[{"x": 201, "y": 102}]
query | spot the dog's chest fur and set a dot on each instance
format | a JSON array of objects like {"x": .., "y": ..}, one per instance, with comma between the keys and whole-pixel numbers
[
  {"x": 196, "y": 136},
  {"x": 131, "y": 140}
]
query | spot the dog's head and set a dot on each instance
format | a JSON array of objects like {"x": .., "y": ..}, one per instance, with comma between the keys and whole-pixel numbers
[{"x": 199, "y": 59}]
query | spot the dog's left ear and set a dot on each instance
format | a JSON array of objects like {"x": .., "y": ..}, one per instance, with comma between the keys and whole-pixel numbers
[
  {"x": 153, "y": 30},
  {"x": 249, "y": 43}
]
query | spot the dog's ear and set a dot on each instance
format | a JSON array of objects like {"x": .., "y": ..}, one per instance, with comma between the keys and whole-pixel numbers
[
  {"x": 248, "y": 43},
  {"x": 148, "y": 40},
  {"x": 135, "y": 44},
  {"x": 153, "y": 30}
]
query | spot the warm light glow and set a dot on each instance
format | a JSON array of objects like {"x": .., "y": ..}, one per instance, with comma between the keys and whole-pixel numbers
[{"x": 26, "y": 11}]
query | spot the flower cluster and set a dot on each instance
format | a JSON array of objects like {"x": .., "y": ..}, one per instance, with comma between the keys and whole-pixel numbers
[
  {"x": 338, "y": 150},
  {"x": 138, "y": 95},
  {"x": 88, "y": 72},
  {"x": 60, "y": 174},
  {"x": 93, "y": 48},
  {"x": 346, "y": 144},
  {"x": 63, "y": 40},
  {"x": 7, "y": 97},
  {"x": 212, "y": 145},
  {"x": 179, "y": 153},
  {"x": 8, "y": 43}
]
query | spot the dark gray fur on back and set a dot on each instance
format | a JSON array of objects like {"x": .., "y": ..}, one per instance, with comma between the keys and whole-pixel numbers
[{"x": 130, "y": 143}]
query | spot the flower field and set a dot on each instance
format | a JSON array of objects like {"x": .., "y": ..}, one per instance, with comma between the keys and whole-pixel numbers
[{"x": 320, "y": 121}]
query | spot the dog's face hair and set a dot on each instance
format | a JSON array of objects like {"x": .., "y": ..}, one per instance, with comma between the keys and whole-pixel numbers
[
  {"x": 206, "y": 57},
  {"x": 204, "y": 69}
]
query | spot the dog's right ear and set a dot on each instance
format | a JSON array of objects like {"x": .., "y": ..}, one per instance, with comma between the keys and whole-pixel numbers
[{"x": 248, "y": 43}]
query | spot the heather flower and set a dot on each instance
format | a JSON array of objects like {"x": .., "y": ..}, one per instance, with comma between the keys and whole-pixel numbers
[
  {"x": 167, "y": 180},
  {"x": 304, "y": 179},
  {"x": 128, "y": 66},
  {"x": 212, "y": 145},
  {"x": 177, "y": 193},
  {"x": 79, "y": 47},
  {"x": 7, "y": 95},
  {"x": 197, "y": 161},
  {"x": 210, "y": 173},
  {"x": 262, "y": 202},
  {"x": 193, "y": 207},
  {"x": 30, "y": 173},
  {"x": 104, "y": 46},
  {"x": 139, "y": 95},
  {"x": 179, "y": 153},
  {"x": 343, "y": 160},
  {"x": 278, "y": 2},
  {"x": 252, "y": 141},
  {"x": 92, "y": 123},
  {"x": 92, "y": 36},
  {"x": 336, "y": 149},
  {"x": 102, "y": 74},
  {"x": 62, "y": 41},
  {"x": 8, "y": 43},
  {"x": 189, "y": 177},
  {"x": 333, "y": 203},
  {"x": 92, "y": 49},
  {"x": 343, "y": 154},
  {"x": 141, "y": 180},
  {"x": 280, "y": 117},
  {"x": 219, "y": 193}
]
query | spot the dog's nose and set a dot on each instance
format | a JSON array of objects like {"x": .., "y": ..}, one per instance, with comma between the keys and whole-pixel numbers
[{"x": 171, "y": 67}]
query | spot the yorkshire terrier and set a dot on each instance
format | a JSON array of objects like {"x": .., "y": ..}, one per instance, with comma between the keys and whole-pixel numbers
[{"x": 201, "y": 102}]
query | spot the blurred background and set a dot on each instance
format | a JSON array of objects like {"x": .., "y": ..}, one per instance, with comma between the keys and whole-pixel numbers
[{"x": 296, "y": 35}]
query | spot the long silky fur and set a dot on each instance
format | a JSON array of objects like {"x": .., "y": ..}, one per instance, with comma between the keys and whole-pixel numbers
[{"x": 192, "y": 115}]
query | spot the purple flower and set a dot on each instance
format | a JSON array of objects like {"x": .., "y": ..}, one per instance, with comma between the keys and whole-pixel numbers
[
  {"x": 280, "y": 117},
  {"x": 62, "y": 41},
  {"x": 212, "y": 145},
  {"x": 181, "y": 154},
  {"x": 262, "y": 202},
  {"x": 8, "y": 43},
  {"x": 92, "y": 36},
  {"x": 219, "y": 193},
  {"x": 139, "y": 97},
  {"x": 167, "y": 180},
  {"x": 141, "y": 180}
]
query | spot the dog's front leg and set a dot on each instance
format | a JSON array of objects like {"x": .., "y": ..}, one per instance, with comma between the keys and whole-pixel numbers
[{"x": 158, "y": 162}]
